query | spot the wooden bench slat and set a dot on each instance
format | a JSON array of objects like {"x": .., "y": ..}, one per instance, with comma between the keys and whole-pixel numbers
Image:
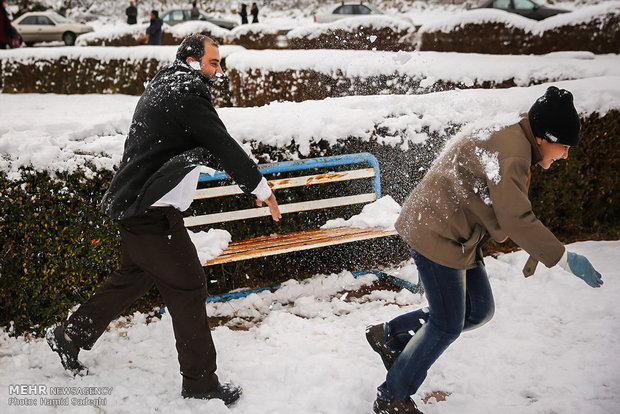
[
  {"x": 298, "y": 236},
  {"x": 306, "y": 180},
  {"x": 285, "y": 243},
  {"x": 284, "y": 209}
]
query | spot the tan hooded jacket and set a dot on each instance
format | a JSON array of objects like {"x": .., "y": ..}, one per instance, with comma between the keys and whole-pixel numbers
[{"x": 478, "y": 186}]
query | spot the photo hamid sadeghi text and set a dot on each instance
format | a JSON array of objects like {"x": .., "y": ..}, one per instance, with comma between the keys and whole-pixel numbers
[{"x": 30, "y": 395}]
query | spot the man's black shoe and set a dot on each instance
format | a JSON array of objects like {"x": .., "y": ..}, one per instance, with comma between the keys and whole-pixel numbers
[
  {"x": 66, "y": 349},
  {"x": 374, "y": 335},
  {"x": 395, "y": 407},
  {"x": 227, "y": 392}
]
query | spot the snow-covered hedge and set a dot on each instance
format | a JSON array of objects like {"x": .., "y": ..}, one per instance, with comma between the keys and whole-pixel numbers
[
  {"x": 368, "y": 32},
  {"x": 71, "y": 70},
  {"x": 364, "y": 33},
  {"x": 57, "y": 246},
  {"x": 171, "y": 35},
  {"x": 592, "y": 28},
  {"x": 260, "y": 36},
  {"x": 260, "y": 77}
]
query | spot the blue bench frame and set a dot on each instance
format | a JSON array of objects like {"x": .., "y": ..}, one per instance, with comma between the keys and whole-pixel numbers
[{"x": 307, "y": 164}]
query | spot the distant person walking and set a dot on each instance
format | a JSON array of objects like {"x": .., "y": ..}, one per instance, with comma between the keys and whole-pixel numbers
[
  {"x": 244, "y": 13},
  {"x": 5, "y": 28},
  {"x": 132, "y": 13},
  {"x": 154, "y": 29},
  {"x": 254, "y": 13},
  {"x": 6, "y": 32},
  {"x": 195, "y": 13}
]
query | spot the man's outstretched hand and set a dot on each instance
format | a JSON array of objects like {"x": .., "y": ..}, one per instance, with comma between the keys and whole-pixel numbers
[
  {"x": 272, "y": 203},
  {"x": 583, "y": 269}
]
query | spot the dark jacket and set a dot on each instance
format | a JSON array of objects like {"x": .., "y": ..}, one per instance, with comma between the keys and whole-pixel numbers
[
  {"x": 154, "y": 31},
  {"x": 478, "y": 187},
  {"x": 244, "y": 14},
  {"x": 174, "y": 129},
  {"x": 5, "y": 26},
  {"x": 132, "y": 14}
]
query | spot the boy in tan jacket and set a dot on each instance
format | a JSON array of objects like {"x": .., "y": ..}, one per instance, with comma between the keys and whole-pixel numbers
[{"x": 476, "y": 188}]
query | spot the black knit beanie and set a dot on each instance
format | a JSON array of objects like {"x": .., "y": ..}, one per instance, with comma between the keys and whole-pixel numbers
[{"x": 553, "y": 117}]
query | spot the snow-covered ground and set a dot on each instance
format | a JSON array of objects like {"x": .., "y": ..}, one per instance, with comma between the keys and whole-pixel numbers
[{"x": 551, "y": 348}]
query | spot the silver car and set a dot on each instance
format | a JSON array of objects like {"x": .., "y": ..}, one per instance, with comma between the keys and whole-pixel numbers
[
  {"x": 176, "y": 16},
  {"x": 345, "y": 10},
  {"x": 47, "y": 27}
]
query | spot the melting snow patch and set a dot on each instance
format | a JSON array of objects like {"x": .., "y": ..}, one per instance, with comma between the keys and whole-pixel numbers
[
  {"x": 211, "y": 244},
  {"x": 380, "y": 214}
]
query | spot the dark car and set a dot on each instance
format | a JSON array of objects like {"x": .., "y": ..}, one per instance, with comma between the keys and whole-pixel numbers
[{"x": 526, "y": 8}]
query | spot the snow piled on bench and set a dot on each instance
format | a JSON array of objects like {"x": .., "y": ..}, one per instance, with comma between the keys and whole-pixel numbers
[
  {"x": 381, "y": 214},
  {"x": 210, "y": 244}
]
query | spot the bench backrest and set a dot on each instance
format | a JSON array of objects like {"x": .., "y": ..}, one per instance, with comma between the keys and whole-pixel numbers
[{"x": 287, "y": 166}]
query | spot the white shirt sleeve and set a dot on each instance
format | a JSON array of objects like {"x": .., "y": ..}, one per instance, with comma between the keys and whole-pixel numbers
[
  {"x": 563, "y": 263},
  {"x": 262, "y": 190},
  {"x": 181, "y": 196}
]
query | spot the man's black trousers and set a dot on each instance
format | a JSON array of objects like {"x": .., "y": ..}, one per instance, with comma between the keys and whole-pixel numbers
[{"x": 156, "y": 249}]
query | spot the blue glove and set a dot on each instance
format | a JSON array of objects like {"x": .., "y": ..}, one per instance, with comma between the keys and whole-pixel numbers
[{"x": 582, "y": 268}]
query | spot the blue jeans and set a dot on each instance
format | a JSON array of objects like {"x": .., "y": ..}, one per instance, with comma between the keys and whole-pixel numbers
[{"x": 458, "y": 300}]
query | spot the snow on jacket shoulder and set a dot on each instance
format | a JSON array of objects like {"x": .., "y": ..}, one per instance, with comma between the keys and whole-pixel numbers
[
  {"x": 174, "y": 129},
  {"x": 478, "y": 187}
]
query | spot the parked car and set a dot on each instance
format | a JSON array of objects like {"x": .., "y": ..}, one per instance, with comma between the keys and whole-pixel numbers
[
  {"x": 526, "y": 8},
  {"x": 48, "y": 26},
  {"x": 176, "y": 16},
  {"x": 345, "y": 10}
]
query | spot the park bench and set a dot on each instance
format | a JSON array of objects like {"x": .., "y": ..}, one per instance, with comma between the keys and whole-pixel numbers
[{"x": 299, "y": 240}]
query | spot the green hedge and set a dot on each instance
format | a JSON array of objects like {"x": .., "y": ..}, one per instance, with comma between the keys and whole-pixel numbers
[
  {"x": 57, "y": 247},
  {"x": 130, "y": 38},
  {"x": 82, "y": 75},
  {"x": 600, "y": 35},
  {"x": 257, "y": 88},
  {"x": 361, "y": 37}
]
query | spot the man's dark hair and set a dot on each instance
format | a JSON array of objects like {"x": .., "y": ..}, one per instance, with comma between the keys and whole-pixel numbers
[
  {"x": 194, "y": 46},
  {"x": 155, "y": 13}
]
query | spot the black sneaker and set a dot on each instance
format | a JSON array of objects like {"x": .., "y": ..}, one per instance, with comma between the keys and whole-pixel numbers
[
  {"x": 227, "y": 392},
  {"x": 67, "y": 350},
  {"x": 395, "y": 407},
  {"x": 374, "y": 335}
]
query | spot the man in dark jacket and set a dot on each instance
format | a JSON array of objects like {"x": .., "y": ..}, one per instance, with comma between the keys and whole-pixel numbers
[
  {"x": 174, "y": 131},
  {"x": 132, "y": 13},
  {"x": 154, "y": 29}
]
